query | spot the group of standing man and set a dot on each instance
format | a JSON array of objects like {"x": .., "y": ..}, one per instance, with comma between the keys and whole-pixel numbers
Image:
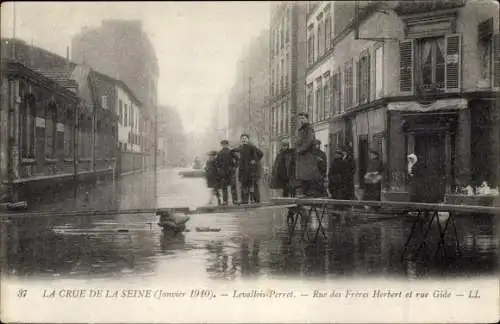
[
  {"x": 302, "y": 171},
  {"x": 227, "y": 167}
]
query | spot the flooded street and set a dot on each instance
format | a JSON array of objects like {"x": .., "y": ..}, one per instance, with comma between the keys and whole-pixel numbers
[
  {"x": 67, "y": 266},
  {"x": 250, "y": 244}
]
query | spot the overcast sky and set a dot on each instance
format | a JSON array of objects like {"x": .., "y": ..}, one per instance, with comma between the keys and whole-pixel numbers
[{"x": 197, "y": 44}]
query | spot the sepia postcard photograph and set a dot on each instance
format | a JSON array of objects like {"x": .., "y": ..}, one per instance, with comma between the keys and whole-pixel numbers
[{"x": 250, "y": 162}]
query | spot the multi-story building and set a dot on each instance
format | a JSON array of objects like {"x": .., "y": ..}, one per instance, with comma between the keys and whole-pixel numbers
[
  {"x": 170, "y": 127},
  {"x": 412, "y": 78},
  {"x": 248, "y": 99},
  {"x": 287, "y": 68},
  {"x": 122, "y": 50},
  {"x": 320, "y": 74}
]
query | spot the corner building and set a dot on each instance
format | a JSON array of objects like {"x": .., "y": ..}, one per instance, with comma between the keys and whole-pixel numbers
[
  {"x": 407, "y": 77},
  {"x": 287, "y": 58}
]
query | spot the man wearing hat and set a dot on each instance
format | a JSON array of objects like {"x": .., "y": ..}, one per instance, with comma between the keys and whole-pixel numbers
[
  {"x": 212, "y": 176},
  {"x": 319, "y": 185},
  {"x": 224, "y": 162},
  {"x": 340, "y": 176},
  {"x": 373, "y": 177},
  {"x": 283, "y": 170},
  {"x": 306, "y": 164}
]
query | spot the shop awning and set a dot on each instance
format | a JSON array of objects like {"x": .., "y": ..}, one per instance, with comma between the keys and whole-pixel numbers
[{"x": 439, "y": 105}]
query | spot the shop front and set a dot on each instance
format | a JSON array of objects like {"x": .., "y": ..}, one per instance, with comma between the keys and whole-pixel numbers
[
  {"x": 368, "y": 133},
  {"x": 439, "y": 134}
]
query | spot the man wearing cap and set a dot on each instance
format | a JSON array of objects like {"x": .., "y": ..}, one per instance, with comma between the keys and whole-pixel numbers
[
  {"x": 248, "y": 173},
  {"x": 306, "y": 164},
  {"x": 224, "y": 162},
  {"x": 235, "y": 153},
  {"x": 283, "y": 170}
]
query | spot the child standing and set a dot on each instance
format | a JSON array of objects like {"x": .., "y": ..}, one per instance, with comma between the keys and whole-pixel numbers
[{"x": 212, "y": 176}]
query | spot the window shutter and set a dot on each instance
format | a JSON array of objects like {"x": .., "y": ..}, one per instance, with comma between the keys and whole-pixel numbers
[
  {"x": 452, "y": 69},
  {"x": 406, "y": 65},
  {"x": 359, "y": 81},
  {"x": 496, "y": 60}
]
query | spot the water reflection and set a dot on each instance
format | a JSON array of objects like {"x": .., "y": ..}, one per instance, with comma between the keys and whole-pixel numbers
[{"x": 250, "y": 245}]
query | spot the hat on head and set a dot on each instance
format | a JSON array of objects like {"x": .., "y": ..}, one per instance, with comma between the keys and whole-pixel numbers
[
  {"x": 211, "y": 153},
  {"x": 303, "y": 113},
  {"x": 412, "y": 157},
  {"x": 224, "y": 142}
]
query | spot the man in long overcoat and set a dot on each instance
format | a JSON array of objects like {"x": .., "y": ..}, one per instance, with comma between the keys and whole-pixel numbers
[
  {"x": 224, "y": 163},
  {"x": 306, "y": 164},
  {"x": 248, "y": 173},
  {"x": 340, "y": 176},
  {"x": 283, "y": 170},
  {"x": 319, "y": 186}
]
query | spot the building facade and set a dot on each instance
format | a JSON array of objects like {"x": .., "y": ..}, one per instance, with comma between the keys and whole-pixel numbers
[
  {"x": 123, "y": 51},
  {"x": 410, "y": 78},
  {"x": 38, "y": 145},
  {"x": 247, "y": 101},
  {"x": 287, "y": 67}
]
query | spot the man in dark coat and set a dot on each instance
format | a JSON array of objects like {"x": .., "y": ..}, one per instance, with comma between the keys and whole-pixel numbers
[
  {"x": 373, "y": 177},
  {"x": 319, "y": 185},
  {"x": 306, "y": 165},
  {"x": 340, "y": 176},
  {"x": 211, "y": 175},
  {"x": 224, "y": 162},
  {"x": 250, "y": 157},
  {"x": 235, "y": 153},
  {"x": 283, "y": 170}
]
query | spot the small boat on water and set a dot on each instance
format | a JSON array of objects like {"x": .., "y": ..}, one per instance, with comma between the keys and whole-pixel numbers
[{"x": 192, "y": 173}]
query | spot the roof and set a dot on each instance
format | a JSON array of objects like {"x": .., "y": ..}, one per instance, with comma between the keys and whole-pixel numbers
[{"x": 62, "y": 77}]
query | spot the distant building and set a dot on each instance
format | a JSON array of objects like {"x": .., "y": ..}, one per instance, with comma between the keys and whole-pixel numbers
[
  {"x": 122, "y": 50},
  {"x": 248, "y": 110},
  {"x": 171, "y": 130},
  {"x": 287, "y": 68}
]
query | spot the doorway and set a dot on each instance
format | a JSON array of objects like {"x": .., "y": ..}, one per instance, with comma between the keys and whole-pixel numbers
[
  {"x": 430, "y": 150},
  {"x": 362, "y": 158}
]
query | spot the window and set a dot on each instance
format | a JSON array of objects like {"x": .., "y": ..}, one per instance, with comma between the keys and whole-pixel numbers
[
  {"x": 309, "y": 108},
  {"x": 104, "y": 102},
  {"x": 27, "y": 118},
  {"x": 319, "y": 100},
  {"x": 348, "y": 85},
  {"x": 432, "y": 53},
  {"x": 436, "y": 64},
  {"x": 321, "y": 36},
  {"x": 50, "y": 130},
  {"x": 336, "y": 93},
  {"x": 287, "y": 117},
  {"x": 287, "y": 30},
  {"x": 328, "y": 29},
  {"x": 131, "y": 122},
  {"x": 68, "y": 134},
  {"x": 286, "y": 70},
  {"x": 121, "y": 111},
  {"x": 310, "y": 45},
  {"x": 125, "y": 109},
  {"x": 379, "y": 72},
  {"x": 326, "y": 96},
  {"x": 364, "y": 78},
  {"x": 282, "y": 34}
]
